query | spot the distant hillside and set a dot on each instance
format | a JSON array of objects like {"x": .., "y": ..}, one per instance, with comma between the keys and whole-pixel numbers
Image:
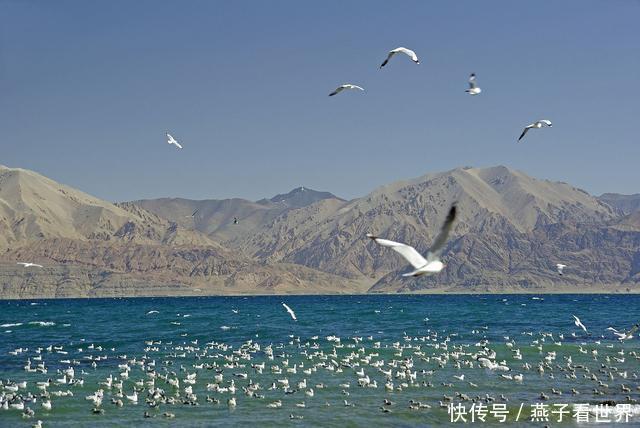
[
  {"x": 92, "y": 247},
  {"x": 626, "y": 204},
  {"x": 215, "y": 218},
  {"x": 300, "y": 197},
  {"x": 497, "y": 202},
  {"x": 511, "y": 231}
]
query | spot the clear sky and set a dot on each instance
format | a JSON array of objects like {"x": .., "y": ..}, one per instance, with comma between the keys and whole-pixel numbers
[{"x": 88, "y": 88}]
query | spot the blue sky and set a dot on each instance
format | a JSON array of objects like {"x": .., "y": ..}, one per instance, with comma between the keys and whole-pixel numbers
[{"x": 89, "y": 88}]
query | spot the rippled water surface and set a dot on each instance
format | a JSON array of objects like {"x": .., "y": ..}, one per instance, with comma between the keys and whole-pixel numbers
[{"x": 439, "y": 334}]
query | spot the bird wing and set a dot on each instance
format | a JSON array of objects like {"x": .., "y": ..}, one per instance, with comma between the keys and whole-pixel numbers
[
  {"x": 406, "y": 251},
  {"x": 441, "y": 239},
  {"x": 23, "y": 263},
  {"x": 524, "y": 131},
  {"x": 472, "y": 81},
  {"x": 293, "y": 314},
  {"x": 633, "y": 329},
  {"x": 337, "y": 91},
  {"x": 391, "y": 53},
  {"x": 356, "y": 87},
  {"x": 178, "y": 145},
  {"x": 409, "y": 53}
]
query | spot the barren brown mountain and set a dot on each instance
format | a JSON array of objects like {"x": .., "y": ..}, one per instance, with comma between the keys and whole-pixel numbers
[{"x": 511, "y": 231}]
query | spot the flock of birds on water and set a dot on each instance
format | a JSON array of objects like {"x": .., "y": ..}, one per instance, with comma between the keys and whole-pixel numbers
[{"x": 419, "y": 373}]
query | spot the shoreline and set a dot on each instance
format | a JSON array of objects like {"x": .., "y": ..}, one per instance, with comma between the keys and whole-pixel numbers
[{"x": 438, "y": 292}]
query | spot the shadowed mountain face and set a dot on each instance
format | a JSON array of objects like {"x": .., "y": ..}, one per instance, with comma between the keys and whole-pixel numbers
[
  {"x": 91, "y": 247},
  {"x": 626, "y": 204},
  {"x": 215, "y": 218},
  {"x": 299, "y": 197},
  {"x": 510, "y": 232},
  {"x": 496, "y": 204}
]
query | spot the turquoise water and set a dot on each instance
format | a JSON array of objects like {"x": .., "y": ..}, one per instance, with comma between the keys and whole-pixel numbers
[{"x": 440, "y": 335}]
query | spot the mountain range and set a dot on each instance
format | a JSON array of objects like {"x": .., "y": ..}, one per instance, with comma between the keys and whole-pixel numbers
[{"x": 511, "y": 231}]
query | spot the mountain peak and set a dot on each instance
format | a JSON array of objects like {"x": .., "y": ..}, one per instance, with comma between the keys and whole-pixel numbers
[{"x": 300, "y": 197}]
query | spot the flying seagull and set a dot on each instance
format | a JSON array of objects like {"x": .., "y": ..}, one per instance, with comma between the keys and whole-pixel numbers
[
  {"x": 578, "y": 323},
  {"x": 622, "y": 335},
  {"x": 29, "y": 264},
  {"x": 432, "y": 263},
  {"x": 411, "y": 54},
  {"x": 473, "y": 86},
  {"x": 343, "y": 87},
  {"x": 193, "y": 215},
  {"x": 171, "y": 140},
  {"x": 235, "y": 220},
  {"x": 293, "y": 314},
  {"x": 560, "y": 267},
  {"x": 539, "y": 124}
]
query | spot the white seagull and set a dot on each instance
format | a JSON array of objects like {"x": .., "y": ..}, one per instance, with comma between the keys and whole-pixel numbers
[
  {"x": 622, "y": 335},
  {"x": 343, "y": 87},
  {"x": 432, "y": 263},
  {"x": 293, "y": 314},
  {"x": 539, "y": 124},
  {"x": 560, "y": 267},
  {"x": 473, "y": 87},
  {"x": 29, "y": 264},
  {"x": 171, "y": 140},
  {"x": 578, "y": 323},
  {"x": 411, "y": 54}
]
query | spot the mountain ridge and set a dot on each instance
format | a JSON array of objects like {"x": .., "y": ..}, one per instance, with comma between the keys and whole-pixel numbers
[{"x": 510, "y": 232}]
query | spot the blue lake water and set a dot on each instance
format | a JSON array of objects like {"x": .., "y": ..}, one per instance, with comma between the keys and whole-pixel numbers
[{"x": 440, "y": 336}]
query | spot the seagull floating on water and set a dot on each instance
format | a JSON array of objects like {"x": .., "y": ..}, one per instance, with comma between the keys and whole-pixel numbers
[
  {"x": 432, "y": 263},
  {"x": 345, "y": 86},
  {"x": 473, "y": 87},
  {"x": 171, "y": 140},
  {"x": 29, "y": 264},
  {"x": 539, "y": 124},
  {"x": 293, "y": 314},
  {"x": 411, "y": 54}
]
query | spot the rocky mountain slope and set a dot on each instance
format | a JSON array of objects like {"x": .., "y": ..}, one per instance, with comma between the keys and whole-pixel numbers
[
  {"x": 625, "y": 204},
  {"x": 91, "y": 246},
  {"x": 497, "y": 207},
  {"x": 215, "y": 218},
  {"x": 511, "y": 231}
]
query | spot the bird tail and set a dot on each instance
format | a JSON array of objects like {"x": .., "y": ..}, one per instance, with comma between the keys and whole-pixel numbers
[{"x": 414, "y": 273}]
